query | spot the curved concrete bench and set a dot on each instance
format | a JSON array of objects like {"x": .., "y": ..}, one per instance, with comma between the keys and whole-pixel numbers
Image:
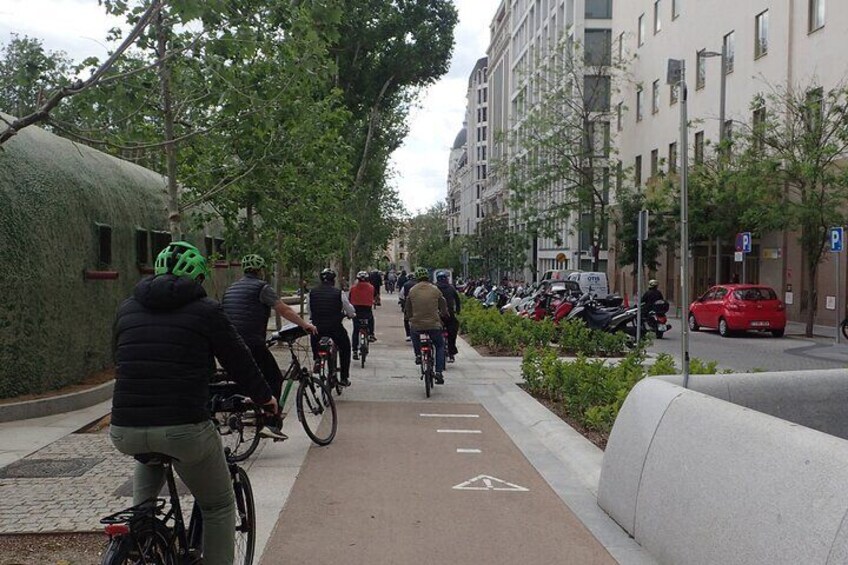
[{"x": 695, "y": 479}]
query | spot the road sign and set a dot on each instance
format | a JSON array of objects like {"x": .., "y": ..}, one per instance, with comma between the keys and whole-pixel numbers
[
  {"x": 643, "y": 225},
  {"x": 743, "y": 242},
  {"x": 837, "y": 239},
  {"x": 738, "y": 256}
]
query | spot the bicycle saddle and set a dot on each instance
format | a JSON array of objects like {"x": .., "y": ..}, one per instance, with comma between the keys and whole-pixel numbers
[{"x": 153, "y": 458}]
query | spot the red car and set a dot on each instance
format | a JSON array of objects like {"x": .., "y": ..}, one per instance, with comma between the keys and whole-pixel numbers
[{"x": 739, "y": 307}]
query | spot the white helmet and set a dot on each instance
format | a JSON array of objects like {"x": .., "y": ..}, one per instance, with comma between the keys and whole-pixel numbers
[{"x": 362, "y": 276}]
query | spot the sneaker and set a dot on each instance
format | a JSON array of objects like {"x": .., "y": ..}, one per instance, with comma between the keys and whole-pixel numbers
[
  {"x": 344, "y": 381},
  {"x": 451, "y": 359},
  {"x": 417, "y": 359},
  {"x": 372, "y": 338},
  {"x": 408, "y": 338},
  {"x": 272, "y": 432},
  {"x": 356, "y": 356},
  {"x": 440, "y": 379}
]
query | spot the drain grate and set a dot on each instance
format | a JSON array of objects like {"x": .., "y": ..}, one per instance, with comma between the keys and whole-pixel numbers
[{"x": 49, "y": 468}]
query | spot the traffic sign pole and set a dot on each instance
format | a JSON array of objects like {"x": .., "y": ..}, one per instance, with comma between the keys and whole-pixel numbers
[{"x": 837, "y": 242}]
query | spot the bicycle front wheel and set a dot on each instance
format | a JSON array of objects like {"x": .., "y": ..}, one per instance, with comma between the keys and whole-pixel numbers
[
  {"x": 245, "y": 541},
  {"x": 316, "y": 410},
  {"x": 240, "y": 431}
]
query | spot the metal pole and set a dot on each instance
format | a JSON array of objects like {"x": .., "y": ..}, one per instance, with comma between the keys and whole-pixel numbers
[
  {"x": 684, "y": 224},
  {"x": 641, "y": 229},
  {"x": 838, "y": 295},
  {"x": 722, "y": 136}
]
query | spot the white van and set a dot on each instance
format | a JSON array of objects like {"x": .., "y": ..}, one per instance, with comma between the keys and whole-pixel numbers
[{"x": 593, "y": 282}]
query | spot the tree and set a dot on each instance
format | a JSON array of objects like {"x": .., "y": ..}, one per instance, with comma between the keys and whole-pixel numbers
[
  {"x": 497, "y": 248},
  {"x": 28, "y": 73},
  {"x": 558, "y": 167},
  {"x": 430, "y": 244},
  {"x": 798, "y": 145}
]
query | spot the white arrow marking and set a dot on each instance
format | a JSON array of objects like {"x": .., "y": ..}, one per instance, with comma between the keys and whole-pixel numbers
[{"x": 485, "y": 482}]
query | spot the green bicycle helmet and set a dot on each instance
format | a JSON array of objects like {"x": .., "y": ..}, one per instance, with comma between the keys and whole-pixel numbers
[
  {"x": 252, "y": 262},
  {"x": 181, "y": 259},
  {"x": 421, "y": 274}
]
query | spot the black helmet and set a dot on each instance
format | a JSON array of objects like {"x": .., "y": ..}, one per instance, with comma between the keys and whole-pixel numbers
[{"x": 328, "y": 275}]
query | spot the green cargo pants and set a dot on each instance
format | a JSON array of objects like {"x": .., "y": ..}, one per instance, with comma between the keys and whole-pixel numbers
[{"x": 200, "y": 463}]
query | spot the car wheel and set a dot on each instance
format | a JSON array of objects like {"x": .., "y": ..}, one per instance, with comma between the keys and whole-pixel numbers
[
  {"x": 778, "y": 333},
  {"x": 723, "y": 330},
  {"x": 693, "y": 323}
]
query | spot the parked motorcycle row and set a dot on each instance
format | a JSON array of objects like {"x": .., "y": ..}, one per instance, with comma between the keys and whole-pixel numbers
[{"x": 560, "y": 300}]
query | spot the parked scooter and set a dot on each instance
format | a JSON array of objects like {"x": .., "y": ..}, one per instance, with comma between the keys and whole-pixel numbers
[
  {"x": 654, "y": 318},
  {"x": 597, "y": 317}
]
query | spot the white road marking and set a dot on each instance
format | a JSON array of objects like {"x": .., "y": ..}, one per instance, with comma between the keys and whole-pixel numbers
[
  {"x": 464, "y": 450},
  {"x": 449, "y": 415},
  {"x": 486, "y": 482},
  {"x": 460, "y": 431}
]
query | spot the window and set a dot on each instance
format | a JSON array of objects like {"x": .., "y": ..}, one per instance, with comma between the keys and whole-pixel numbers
[
  {"x": 699, "y": 147},
  {"x": 639, "y": 100},
  {"x": 701, "y": 63},
  {"x": 655, "y": 97},
  {"x": 104, "y": 245},
  {"x": 598, "y": 139},
  {"x": 142, "y": 246},
  {"x": 728, "y": 130},
  {"x": 655, "y": 165},
  {"x": 484, "y": 152},
  {"x": 674, "y": 93},
  {"x": 485, "y": 95},
  {"x": 729, "y": 51},
  {"x": 160, "y": 240},
  {"x": 621, "y": 47},
  {"x": 484, "y": 133},
  {"x": 672, "y": 157},
  {"x": 598, "y": 50},
  {"x": 816, "y": 15},
  {"x": 815, "y": 109},
  {"x": 599, "y": 9},
  {"x": 761, "y": 35},
  {"x": 619, "y": 110},
  {"x": 641, "y": 30},
  {"x": 759, "y": 125},
  {"x": 596, "y": 92},
  {"x": 675, "y": 8},
  {"x": 657, "y": 17},
  {"x": 209, "y": 243},
  {"x": 485, "y": 117},
  {"x": 637, "y": 171}
]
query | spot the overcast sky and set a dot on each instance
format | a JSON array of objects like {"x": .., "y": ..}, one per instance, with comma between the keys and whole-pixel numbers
[{"x": 79, "y": 27}]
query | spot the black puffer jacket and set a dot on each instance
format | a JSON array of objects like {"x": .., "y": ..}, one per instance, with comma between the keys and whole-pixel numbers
[
  {"x": 325, "y": 306},
  {"x": 451, "y": 297},
  {"x": 166, "y": 337},
  {"x": 242, "y": 306}
]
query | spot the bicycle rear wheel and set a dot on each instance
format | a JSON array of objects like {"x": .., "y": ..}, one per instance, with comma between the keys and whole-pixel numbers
[
  {"x": 428, "y": 374},
  {"x": 245, "y": 542},
  {"x": 148, "y": 543},
  {"x": 240, "y": 431},
  {"x": 315, "y": 405}
]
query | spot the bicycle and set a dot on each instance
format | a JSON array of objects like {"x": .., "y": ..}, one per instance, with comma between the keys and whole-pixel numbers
[
  {"x": 327, "y": 365},
  {"x": 240, "y": 429},
  {"x": 147, "y": 533},
  {"x": 844, "y": 327},
  {"x": 364, "y": 338},
  {"x": 427, "y": 362}
]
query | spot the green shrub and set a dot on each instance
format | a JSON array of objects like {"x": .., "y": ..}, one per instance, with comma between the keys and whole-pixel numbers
[{"x": 574, "y": 338}]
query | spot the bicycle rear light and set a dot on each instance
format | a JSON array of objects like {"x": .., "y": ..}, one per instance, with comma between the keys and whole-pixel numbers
[{"x": 113, "y": 530}]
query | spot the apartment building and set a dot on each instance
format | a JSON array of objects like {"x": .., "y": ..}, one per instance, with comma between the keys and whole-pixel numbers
[
  {"x": 477, "y": 118},
  {"x": 499, "y": 87},
  {"x": 768, "y": 44},
  {"x": 457, "y": 181}
]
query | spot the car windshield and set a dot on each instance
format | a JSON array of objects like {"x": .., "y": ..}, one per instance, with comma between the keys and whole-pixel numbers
[{"x": 761, "y": 293}]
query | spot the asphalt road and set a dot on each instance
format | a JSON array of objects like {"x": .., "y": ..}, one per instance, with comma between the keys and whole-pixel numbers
[{"x": 756, "y": 350}]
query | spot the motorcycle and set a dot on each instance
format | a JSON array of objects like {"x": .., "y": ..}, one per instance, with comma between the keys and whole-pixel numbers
[
  {"x": 597, "y": 317},
  {"x": 654, "y": 318}
]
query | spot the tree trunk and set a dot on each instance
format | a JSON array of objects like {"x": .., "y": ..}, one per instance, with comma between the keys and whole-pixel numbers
[
  {"x": 278, "y": 277},
  {"x": 812, "y": 300},
  {"x": 168, "y": 120}
]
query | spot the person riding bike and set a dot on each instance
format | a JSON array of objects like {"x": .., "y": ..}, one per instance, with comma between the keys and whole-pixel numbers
[
  {"x": 652, "y": 295},
  {"x": 328, "y": 307},
  {"x": 402, "y": 294},
  {"x": 166, "y": 337},
  {"x": 248, "y": 303},
  {"x": 451, "y": 322},
  {"x": 376, "y": 280},
  {"x": 362, "y": 299},
  {"x": 426, "y": 307}
]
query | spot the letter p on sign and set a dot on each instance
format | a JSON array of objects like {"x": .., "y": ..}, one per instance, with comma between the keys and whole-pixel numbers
[{"x": 836, "y": 239}]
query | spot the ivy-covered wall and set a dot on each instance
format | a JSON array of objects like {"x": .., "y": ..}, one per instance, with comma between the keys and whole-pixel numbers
[{"x": 55, "y": 325}]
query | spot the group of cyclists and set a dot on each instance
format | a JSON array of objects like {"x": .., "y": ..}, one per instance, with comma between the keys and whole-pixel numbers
[{"x": 169, "y": 332}]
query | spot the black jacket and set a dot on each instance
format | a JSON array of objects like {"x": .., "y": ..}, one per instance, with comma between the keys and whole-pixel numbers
[
  {"x": 451, "y": 297},
  {"x": 650, "y": 296},
  {"x": 242, "y": 306},
  {"x": 325, "y": 306},
  {"x": 166, "y": 337}
]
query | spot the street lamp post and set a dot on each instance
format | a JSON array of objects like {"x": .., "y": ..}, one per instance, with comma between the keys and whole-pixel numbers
[
  {"x": 722, "y": 132},
  {"x": 677, "y": 75}
]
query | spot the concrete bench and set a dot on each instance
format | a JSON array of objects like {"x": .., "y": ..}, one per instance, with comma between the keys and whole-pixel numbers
[{"x": 736, "y": 475}]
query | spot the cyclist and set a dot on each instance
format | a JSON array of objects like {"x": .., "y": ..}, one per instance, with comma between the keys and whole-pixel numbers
[
  {"x": 166, "y": 337},
  {"x": 377, "y": 283},
  {"x": 328, "y": 307},
  {"x": 248, "y": 303},
  {"x": 362, "y": 299},
  {"x": 451, "y": 322},
  {"x": 404, "y": 292},
  {"x": 426, "y": 307}
]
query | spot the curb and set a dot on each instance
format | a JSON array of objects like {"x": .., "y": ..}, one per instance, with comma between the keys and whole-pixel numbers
[{"x": 56, "y": 404}]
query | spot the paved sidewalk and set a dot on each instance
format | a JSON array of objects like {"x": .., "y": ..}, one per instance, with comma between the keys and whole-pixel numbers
[{"x": 567, "y": 462}]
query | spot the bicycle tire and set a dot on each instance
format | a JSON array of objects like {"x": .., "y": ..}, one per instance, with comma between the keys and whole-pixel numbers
[
  {"x": 426, "y": 362},
  {"x": 245, "y": 535},
  {"x": 314, "y": 404},
  {"x": 145, "y": 544},
  {"x": 844, "y": 326},
  {"x": 240, "y": 431}
]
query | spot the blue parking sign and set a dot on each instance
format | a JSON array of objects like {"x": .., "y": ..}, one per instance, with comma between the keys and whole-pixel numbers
[
  {"x": 743, "y": 242},
  {"x": 837, "y": 238}
]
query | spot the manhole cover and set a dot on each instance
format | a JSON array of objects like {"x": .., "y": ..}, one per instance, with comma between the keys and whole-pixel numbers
[{"x": 49, "y": 468}]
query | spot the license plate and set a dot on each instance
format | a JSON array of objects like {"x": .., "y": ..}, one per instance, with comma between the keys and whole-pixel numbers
[
  {"x": 662, "y": 328},
  {"x": 759, "y": 324}
]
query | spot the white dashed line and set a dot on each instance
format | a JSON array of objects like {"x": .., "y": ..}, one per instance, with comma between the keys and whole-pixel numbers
[
  {"x": 460, "y": 431},
  {"x": 449, "y": 415},
  {"x": 464, "y": 450}
]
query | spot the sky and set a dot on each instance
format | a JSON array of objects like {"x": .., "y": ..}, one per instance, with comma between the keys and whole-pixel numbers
[{"x": 79, "y": 27}]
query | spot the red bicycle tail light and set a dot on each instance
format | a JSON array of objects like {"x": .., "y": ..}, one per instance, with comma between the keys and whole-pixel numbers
[{"x": 113, "y": 530}]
